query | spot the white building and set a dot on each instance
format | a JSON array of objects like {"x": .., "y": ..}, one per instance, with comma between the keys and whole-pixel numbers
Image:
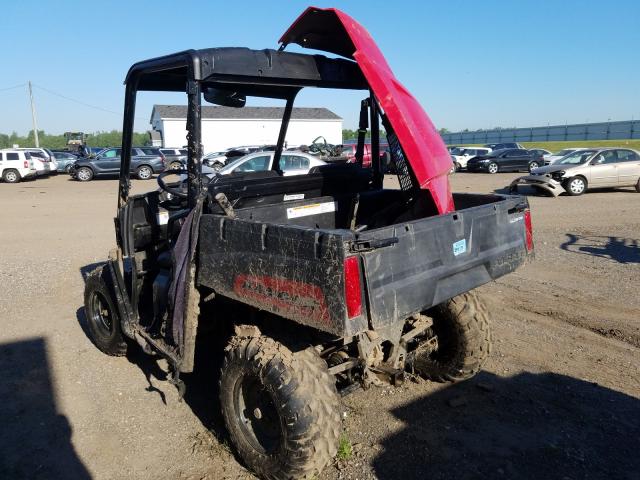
[{"x": 225, "y": 127}]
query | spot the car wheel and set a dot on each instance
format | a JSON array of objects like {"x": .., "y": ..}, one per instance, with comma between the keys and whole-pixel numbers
[
  {"x": 533, "y": 166},
  {"x": 217, "y": 166},
  {"x": 280, "y": 407},
  {"x": 67, "y": 169},
  {"x": 11, "y": 176},
  {"x": 144, "y": 172},
  {"x": 84, "y": 174},
  {"x": 175, "y": 166},
  {"x": 576, "y": 186},
  {"x": 493, "y": 168},
  {"x": 458, "y": 167}
]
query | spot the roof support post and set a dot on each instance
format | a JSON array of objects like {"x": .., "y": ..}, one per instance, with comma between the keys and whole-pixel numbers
[
  {"x": 127, "y": 138},
  {"x": 378, "y": 175},
  {"x": 286, "y": 117},
  {"x": 194, "y": 138}
]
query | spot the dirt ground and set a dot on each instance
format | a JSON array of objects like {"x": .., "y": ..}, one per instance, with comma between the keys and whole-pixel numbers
[{"x": 559, "y": 397}]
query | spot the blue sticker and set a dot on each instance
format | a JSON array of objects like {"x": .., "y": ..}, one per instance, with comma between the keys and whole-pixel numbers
[{"x": 459, "y": 247}]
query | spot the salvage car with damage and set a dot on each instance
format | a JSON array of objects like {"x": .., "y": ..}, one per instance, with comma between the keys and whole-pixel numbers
[
  {"x": 586, "y": 169},
  {"x": 318, "y": 284}
]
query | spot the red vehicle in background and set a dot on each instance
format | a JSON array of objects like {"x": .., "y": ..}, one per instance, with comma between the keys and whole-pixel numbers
[{"x": 350, "y": 151}]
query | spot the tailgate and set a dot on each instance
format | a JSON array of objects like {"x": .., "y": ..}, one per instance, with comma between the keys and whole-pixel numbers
[{"x": 437, "y": 258}]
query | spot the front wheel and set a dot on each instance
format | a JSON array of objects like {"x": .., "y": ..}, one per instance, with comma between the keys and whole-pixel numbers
[
  {"x": 175, "y": 166},
  {"x": 144, "y": 172},
  {"x": 576, "y": 186},
  {"x": 84, "y": 174},
  {"x": 493, "y": 168},
  {"x": 101, "y": 313},
  {"x": 533, "y": 166},
  {"x": 462, "y": 338},
  {"x": 281, "y": 408}
]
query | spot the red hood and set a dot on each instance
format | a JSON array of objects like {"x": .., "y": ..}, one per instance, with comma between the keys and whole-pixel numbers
[{"x": 331, "y": 30}]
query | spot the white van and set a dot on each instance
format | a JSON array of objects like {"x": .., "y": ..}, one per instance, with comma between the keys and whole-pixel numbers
[{"x": 16, "y": 165}]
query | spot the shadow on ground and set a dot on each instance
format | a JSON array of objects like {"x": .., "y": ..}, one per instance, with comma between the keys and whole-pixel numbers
[
  {"x": 621, "y": 250},
  {"x": 35, "y": 440},
  {"x": 531, "y": 426}
]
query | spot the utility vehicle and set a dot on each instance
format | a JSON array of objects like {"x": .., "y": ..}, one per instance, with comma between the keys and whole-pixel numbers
[{"x": 326, "y": 282}]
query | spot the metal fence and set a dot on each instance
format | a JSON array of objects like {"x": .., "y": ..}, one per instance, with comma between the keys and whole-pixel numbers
[{"x": 557, "y": 133}]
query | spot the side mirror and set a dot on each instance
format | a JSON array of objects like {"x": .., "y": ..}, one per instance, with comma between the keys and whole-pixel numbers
[{"x": 225, "y": 98}]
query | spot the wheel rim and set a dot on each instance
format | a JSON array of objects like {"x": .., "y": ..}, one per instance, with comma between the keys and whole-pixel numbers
[
  {"x": 533, "y": 165},
  {"x": 256, "y": 414},
  {"x": 144, "y": 172},
  {"x": 493, "y": 168},
  {"x": 176, "y": 166},
  {"x": 11, "y": 177},
  {"x": 100, "y": 313},
  {"x": 83, "y": 174},
  {"x": 576, "y": 186}
]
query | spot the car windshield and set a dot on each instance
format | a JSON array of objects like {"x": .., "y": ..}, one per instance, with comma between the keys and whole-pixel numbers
[
  {"x": 457, "y": 151},
  {"x": 576, "y": 158},
  {"x": 564, "y": 152}
]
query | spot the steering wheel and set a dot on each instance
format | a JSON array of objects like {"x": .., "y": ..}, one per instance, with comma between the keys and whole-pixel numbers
[{"x": 173, "y": 191}]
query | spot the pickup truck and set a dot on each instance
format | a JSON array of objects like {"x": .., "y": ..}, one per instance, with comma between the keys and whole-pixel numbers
[{"x": 318, "y": 284}]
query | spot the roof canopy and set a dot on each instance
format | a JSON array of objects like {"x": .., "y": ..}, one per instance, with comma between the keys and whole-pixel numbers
[
  {"x": 268, "y": 73},
  {"x": 246, "y": 113}
]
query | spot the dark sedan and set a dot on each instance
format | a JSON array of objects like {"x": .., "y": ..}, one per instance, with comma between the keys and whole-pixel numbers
[
  {"x": 144, "y": 163},
  {"x": 506, "y": 160}
]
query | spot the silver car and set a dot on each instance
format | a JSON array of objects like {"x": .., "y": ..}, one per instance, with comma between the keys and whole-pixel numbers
[{"x": 586, "y": 169}]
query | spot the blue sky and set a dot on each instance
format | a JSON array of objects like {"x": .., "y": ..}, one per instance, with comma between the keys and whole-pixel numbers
[{"x": 472, "y": 64}]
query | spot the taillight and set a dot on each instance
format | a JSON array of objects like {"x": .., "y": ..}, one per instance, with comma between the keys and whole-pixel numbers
[
  {"x": 26, "y": 164},
  {"x": 528, "y": 230},
  {"x": 352, "y": 287}
]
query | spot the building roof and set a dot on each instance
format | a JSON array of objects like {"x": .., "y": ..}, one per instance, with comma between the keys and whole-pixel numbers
[{"x": 246, "y": 113}]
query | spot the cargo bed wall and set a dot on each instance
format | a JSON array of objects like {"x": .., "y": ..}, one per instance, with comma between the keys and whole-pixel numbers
[
  {"x": 437, "y": 258},
  {"x": 291, "y": 271}
]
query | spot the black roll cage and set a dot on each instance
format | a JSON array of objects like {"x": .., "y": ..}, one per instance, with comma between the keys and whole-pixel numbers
[{"x": 261, "y": 73}]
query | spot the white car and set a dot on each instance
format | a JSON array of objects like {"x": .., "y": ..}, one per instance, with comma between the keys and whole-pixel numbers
[
  {"x": 554, "y": 157},
  {"x": 291, "y": 163},
  {"x": 461, "y": 155},
  {"x": 16, "y": 165},
  {"x": 41, "y": 160}
]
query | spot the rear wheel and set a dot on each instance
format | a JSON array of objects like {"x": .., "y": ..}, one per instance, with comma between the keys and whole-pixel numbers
[
  {"x": 175, "y": 166},
  {"x": 84, "y": 174},
  {"x": 533, "y": 165},
  {"x": 11, "y": 176},
  {"x": 461, "y": 328},
  {"x": 576, "y": 186},
  {"x": 493, "y": 167},
  {"x": 144, "y": 172},
  {"x": 67, "y": 169},
  {"x": 101, "y": 314},
  {"x": 281, "y": 408}
]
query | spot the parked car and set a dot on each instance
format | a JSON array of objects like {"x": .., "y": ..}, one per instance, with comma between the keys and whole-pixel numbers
[
  {"x": 65, "y": 160},
  {"x": 144, "y": 163},
  {"x": 586, "y": 169},
  {"x": 291, "y": 163},
  {"x": 501, "y": 146},
  {"x": 217, "y": 160},
  {"x": 540, "y": 151},
  {"x": 16, "y": 165},
  {"x": 506, "y": 160},
  {"x": 173, "y": 157},
  {"x": 554, "y": 157},
  {"x": 462, "y": 155},
  {"x": 41, "y": 160},
  {"x": 349, "y": 150}
]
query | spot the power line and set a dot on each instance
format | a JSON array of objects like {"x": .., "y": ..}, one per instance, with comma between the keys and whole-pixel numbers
[
  {"x": 13, "y": 88},
  {"x": 83, "y": 103}
]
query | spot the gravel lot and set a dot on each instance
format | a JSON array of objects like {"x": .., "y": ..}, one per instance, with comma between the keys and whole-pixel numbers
[{"x": 559, "y": 398}]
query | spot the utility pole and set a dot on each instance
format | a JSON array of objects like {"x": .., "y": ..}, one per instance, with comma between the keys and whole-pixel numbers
[{"x": 33, "y": 116}]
